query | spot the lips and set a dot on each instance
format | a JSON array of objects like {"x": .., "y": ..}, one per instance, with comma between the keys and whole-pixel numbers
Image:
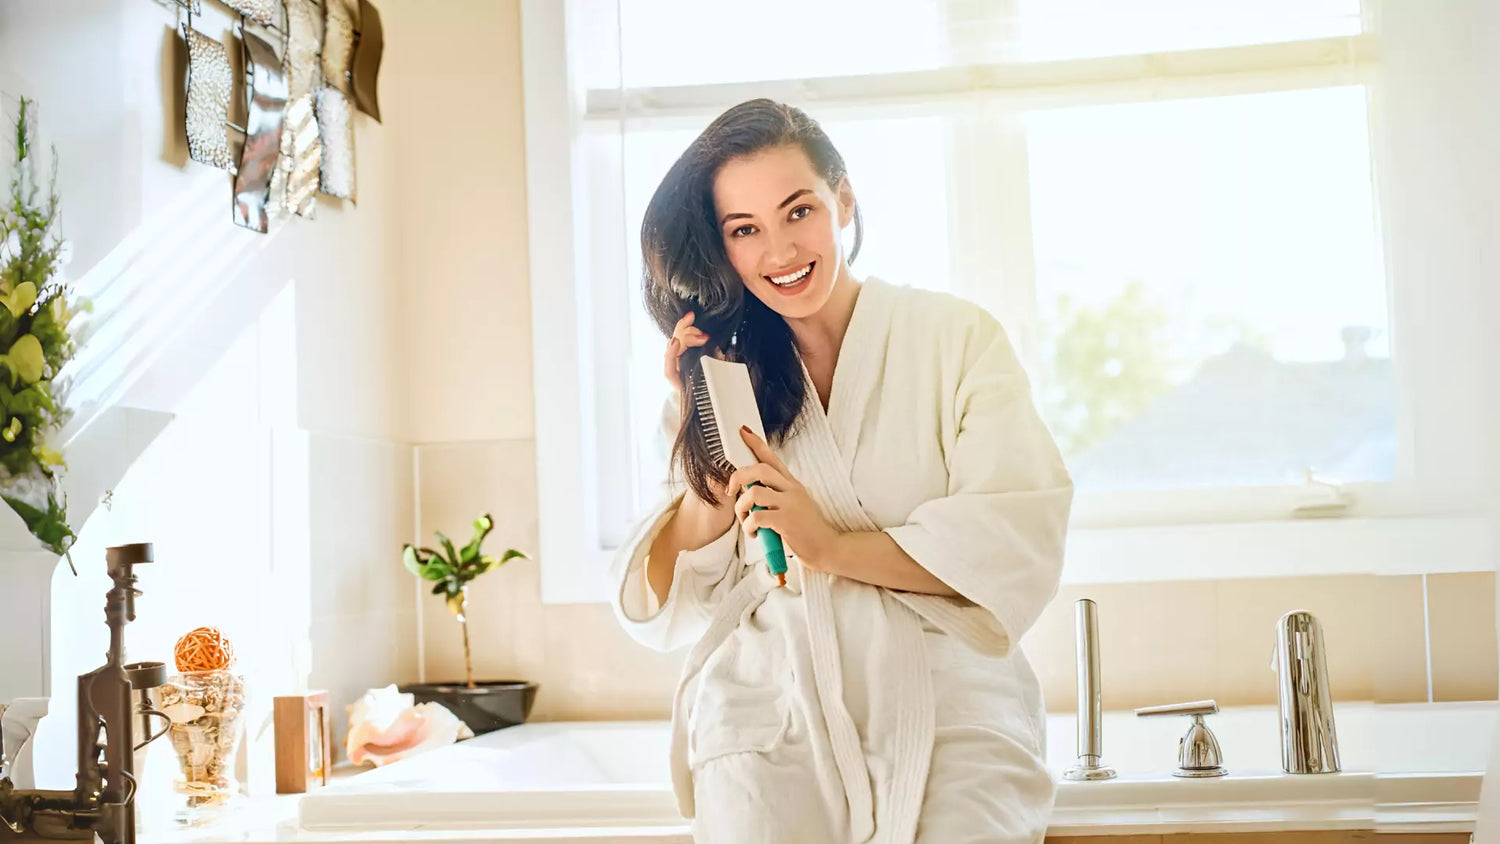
[{"x": 792, "y": 280}]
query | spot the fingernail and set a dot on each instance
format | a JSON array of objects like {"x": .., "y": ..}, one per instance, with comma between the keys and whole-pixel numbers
[{"x": 745, "y": 429}]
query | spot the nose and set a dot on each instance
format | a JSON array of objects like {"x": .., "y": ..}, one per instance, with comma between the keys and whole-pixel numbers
[{"x": 781, "y": 251}]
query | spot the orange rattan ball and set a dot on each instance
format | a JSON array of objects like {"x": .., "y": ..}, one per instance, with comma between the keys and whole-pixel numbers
[{"x": 204, "y": 649}]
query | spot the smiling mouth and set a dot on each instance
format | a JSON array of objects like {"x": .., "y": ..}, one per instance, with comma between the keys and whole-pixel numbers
[{"x": 792, "y": 279}]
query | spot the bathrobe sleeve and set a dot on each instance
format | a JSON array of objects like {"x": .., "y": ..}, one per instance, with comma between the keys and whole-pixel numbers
[
  {"x": 701, "y": 579},
  {"x": 997, "y": 537}
]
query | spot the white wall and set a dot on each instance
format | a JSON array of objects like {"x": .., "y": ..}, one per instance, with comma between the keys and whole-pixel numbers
[{"x": 279, "y": 496}]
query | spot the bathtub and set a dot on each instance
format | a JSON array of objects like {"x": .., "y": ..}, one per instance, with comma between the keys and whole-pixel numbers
[
  {"x": 534, "y": 776},
  {"x": 1414, "y": 767}
]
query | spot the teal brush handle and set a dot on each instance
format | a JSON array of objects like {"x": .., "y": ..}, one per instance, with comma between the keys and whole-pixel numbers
[{"x": 770, "y": 540}]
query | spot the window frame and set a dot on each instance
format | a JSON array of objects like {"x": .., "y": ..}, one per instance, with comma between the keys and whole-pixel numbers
[{"x": 1430, "y": 518}]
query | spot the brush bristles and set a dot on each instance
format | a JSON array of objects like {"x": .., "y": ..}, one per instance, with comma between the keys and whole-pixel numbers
[{"x": 703, "y": 405}]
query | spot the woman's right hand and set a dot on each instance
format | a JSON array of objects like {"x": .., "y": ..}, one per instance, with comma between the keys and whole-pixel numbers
[
  {"x": 696, "y": 522},
  {"x": 684, "y": 336}
]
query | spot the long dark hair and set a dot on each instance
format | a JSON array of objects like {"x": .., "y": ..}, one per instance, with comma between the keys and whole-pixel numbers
[{"x": 687, "y": 269}]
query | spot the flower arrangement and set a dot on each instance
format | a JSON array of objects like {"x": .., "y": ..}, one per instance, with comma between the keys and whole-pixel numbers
[{"x": 35, "y": 344}]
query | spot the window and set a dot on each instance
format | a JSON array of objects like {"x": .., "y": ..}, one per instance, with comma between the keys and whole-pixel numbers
[
  {"x": 1210, "y": 288},
  {"x": 1173, "y": 209}
]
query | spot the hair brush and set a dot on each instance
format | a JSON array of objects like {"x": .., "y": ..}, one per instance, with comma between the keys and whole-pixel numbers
[{"x": 724, "y": 401}]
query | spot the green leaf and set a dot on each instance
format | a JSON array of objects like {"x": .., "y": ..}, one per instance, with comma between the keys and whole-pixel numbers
[
  {"x": 26, "y": 359},
  {"x": 436, "y": 569},
  {"x": 425, "y": 564},
  {"x": 440, "y": 589},
  {"x": 487, "y": 563},
  {"x": 29, "y": 400},
  {"x": 452, "y": 558},
  {"x": 20, "y": 300},
  {"x": 50, "y": 525},
  {"x": 410, "y": 560},
  {"x": 482, "y": 527}
]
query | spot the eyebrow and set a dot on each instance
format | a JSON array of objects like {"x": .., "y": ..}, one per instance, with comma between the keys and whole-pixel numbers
[{"x": 784, "y": 203}]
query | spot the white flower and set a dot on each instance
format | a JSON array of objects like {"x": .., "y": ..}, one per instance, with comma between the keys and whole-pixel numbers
[{"x": 33, "y": 487}]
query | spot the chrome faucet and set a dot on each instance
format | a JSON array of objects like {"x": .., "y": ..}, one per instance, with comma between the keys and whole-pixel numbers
[
  {"x": 1198, "y": 754},
  {"x": 1090, "y": 764},
  {"x": 103, "y": 802},
  {"x": 1309, "y": 743}
]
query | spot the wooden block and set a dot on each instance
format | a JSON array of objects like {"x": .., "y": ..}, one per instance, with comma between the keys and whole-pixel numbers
[{"x": 304, "y": 742}]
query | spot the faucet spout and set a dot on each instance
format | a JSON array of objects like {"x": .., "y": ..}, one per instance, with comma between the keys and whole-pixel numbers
[
  {"x": 1309, "y": 741},
  {"x": 1090, "y": 764}
]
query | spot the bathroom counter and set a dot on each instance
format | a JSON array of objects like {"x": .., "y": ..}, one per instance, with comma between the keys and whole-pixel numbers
[{"x": 1429, "y": 758}]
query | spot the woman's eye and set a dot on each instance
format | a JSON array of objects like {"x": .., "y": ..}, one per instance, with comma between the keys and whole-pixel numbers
[
  {"x": 801, "y": 211},
  {"x": 743, "y": 231}
]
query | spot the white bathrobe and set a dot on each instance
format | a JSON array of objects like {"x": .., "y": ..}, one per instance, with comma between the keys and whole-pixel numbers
[{"x": 836, "y": 711}]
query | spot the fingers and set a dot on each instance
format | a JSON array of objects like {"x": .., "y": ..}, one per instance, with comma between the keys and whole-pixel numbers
[
  {"x": 756, "y": 496},
  {"x": 761, "y": 473},
  {"x": 768, "y": 518},
  {"x": 763, "y": 452},
  {"x": 687, "y": 334},
  {"x": 669, "y": 364},
  {"x": 684, "y": 336}
]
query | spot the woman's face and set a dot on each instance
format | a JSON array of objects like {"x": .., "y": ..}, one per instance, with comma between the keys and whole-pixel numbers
[{"x": 781, "y": 221}]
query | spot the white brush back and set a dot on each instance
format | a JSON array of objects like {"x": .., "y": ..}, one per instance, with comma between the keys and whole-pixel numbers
[{"x": 733, "y": 401}]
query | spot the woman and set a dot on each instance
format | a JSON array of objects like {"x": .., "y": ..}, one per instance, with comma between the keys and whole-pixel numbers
[{"x": 880, "y": 695}]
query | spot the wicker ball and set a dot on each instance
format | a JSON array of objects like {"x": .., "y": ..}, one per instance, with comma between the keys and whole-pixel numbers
[{"x": 204, "y": 649}]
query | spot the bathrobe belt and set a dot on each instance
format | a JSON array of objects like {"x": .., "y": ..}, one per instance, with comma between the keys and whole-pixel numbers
[{"x": 848, "y": 756}]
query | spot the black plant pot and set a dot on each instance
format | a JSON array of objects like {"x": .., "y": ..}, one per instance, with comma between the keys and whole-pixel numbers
[{"x": 487, "y": 707}]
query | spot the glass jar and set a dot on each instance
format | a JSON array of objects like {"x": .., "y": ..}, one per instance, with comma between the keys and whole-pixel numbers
[{"x": 206, "y": 709}]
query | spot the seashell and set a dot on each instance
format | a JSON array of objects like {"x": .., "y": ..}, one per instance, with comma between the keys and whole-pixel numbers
[
  {"x": 183, "y": 713},
  {"x": 385, "y": 726}
]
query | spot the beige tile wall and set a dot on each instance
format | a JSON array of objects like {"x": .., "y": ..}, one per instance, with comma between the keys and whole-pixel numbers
[
  {"x": 1165, "y": 642},
  {"x": 1462, "y": 613},
  {"x": 1161, "y": 642}
]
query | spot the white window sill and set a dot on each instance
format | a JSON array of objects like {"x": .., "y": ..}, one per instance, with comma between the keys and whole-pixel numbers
[{"x": 1287, "y": 548}]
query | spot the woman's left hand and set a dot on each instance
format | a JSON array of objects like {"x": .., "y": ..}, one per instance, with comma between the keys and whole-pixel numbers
[{"x": 790, "y": 510}]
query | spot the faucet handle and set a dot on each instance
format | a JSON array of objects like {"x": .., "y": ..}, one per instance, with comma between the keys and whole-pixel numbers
[
  {"x": 1198, "y": 753},
  {"x": 1194, "y": 707}
]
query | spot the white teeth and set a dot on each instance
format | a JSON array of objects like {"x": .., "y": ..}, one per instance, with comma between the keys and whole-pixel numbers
[{"x": 795, "y": 277}]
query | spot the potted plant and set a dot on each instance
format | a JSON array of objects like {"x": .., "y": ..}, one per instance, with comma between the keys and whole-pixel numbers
[{"x": 486, "y": 705}]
